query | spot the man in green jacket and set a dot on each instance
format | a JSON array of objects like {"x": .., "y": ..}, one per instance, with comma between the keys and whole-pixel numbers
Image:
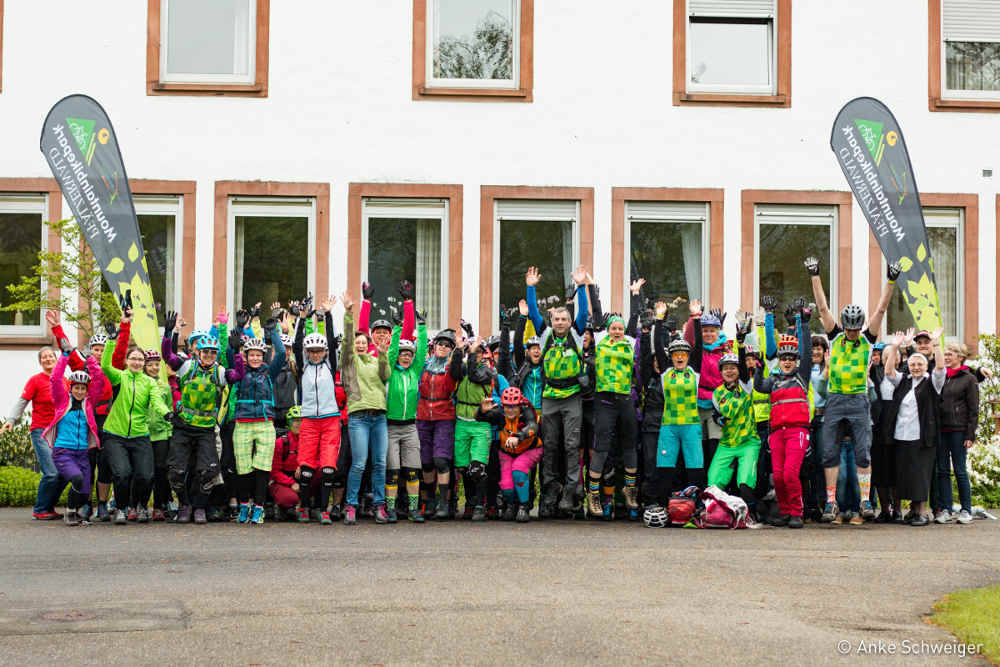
[{"x": 407, "y": 363}]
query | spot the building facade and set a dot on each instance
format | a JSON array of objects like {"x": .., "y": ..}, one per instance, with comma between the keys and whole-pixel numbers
[{"x": 279, "y": 148}]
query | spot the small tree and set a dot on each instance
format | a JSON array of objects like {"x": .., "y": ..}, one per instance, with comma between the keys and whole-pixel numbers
[
  {"x": 984, "y": 458},
  {"x": 73, "y": 283}
]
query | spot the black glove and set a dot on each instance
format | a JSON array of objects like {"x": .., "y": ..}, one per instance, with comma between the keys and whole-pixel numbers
[
  {"x": 806, "y": 314},
  {"x": 169, "y": 323},
  {"x": 812, "y": 265},
  {"x": 671, "y": 323},
  {"x": 242, "y": 317},
  {"x": 420, "y": 316},
  {"x": 799, "y": 304},
  {"x": 307, "y": 305},
  {"x": 790, "y": 315},
  {"x": 255, "y": 312},
  {"x": 892, "y": 271},
  {"x": 275, "y": 313},
  {"x": 742, "y": 329},
  {"x": 394, "y": 312},
  {"x": 125, "y": 303},
  {"x": 270, "y": 323},
  {"x": 111, "y": 330},
  {"x": 721, "y": 315},
  {"x": 293, "y": 308},
  {"x": 406, "y": 290},
  {"x": 504, "y": 316},
  {"x": 168, "y": 416},
  {"x": 235, "y": 342},
  {"x": 646, "y": 319},
  {"x": 367, "y": 291},
  {"x": 467, "y": 328},
  {"x": 768, "y": 303},
  {"x": 336, "y": 341},
  {"x": 570, "y": 291}
]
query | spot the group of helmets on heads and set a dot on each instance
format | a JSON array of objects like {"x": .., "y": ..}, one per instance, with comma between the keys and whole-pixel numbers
[{"x": 574, "y": 413}]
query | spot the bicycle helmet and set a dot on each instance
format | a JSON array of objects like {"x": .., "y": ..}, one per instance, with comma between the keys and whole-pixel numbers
[
  {"x": 151, "y": 355},
  {"x": 710, "y": 320},
  {"x": 98, "y": 339},
  {"x": 879, "y": 346},
  {"x": 852, "y": 317},
  {"x": 492, "y": 343},
  {"x": 534, "y": 340},
  {"x": 788, "y": 345},
  {"x": 407, "y": 346},
  {"x": 751, "y": 349},
  {"x": 294, "y": 412},
  {"x": 446, "y": 335},
  {"x": 679, "y": 345},
  {"x": 381, "y": 324},
  {"x": 655, "y": 516},
  {"x": 208, "y": 342},
  {"x": 79, "y": 377},
  {"x": 315, "y": 341},
  {"x": 286, "y": 340},
  {"x": 729, "y": 358},
  {"x": 255, "y": 344},
  {"x": 511, "y": 397}
]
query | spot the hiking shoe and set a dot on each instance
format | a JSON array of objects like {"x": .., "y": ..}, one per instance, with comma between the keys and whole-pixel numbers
[
  {"x": 479, "y": 513},
  {"x": 631, "y": 494},
  {"x": 380, "y": 514},
  {"x": 325, "y": 519},
  {"x": 336, "y": 513},
  {"x": 857, "y": 520},
  {"x": 158, "y": 514},
  {"x": 142, "y": 515},
  {"x": 467, "y": 514},
  {"x": 71, "y": 518},
  {"x": 884, "y": 517},
  {"x": 244, "y": 514},
  {"x": 120, "y": 517},
  {"x": 795, "y": 522},
  {"x": 509, "y": 512},
  {"x": 131, "y": 514},
  {"x": 522, "y": 514},
  {"x": 45, "y": 516},
  {"x": 567, "y": 500},
  {"x": 867, "y": 511},
  {"x": 782, "y": 520},
  {"x": 416, "y": 515},
  {"x": 391, "y": 514},
  {"x": 214, "y": 514},
  {"x": 102, "y": 512},
  {"x": 350, "y": 515},
  {"x": 183, "y": 514},
  {"x": 302, "y": 514},
  {"x": 964, "y": 517},
  {"x": 85, "y": 513},
  {"x": 491, "y": 513},
  {"x": 608, "y": 510},
  {"x": 594, "y": 508},
  {"x": 442, "y": 512},
  {"x": 199, "y": 516},
  {"x": 831, "y": 513},
  {"x": 943, "y": 517},
  {"x": 257, "y": 515}
]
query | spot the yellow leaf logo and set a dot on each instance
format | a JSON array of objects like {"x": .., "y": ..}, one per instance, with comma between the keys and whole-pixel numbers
[
  {"x": 921, "y": 253},
  {"x": 116, "y": 265},
  {"x": 133, "y": 253}
]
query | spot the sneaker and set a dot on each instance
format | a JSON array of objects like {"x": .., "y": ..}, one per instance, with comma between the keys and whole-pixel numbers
[
  {"x": 44, "y": 516},
  {"x": 336, "y": 513},
  {"x": 781, "y": 520},
  {"x": 795, "y": 522},
  {"x": 943, "y": 517},
  {"x": 244, "y": 514},
  {"x": 920, "y": 520},
  {"x": 158, "y": 514},
  {"x": 479, "y": 513},
  {"x": 830, "y": 513},
  {"x": 442, "y": 512},
  {"x": 416, "y": 515},
  {"x": 103, "y": 514},
  {"x": 391, "y": 514},
  {"x": 453, "y": 508},
  {"x": 215, "y": 514},
  {"x": 71, "y": 518},
  {"x": 467, "y": 514},
  {"x": 522, "y": 514},
  {"x": 608, "y": 510},
  {"x": 867, "y": 511},
  {"x": 199, "y": 516},
  {"x": 491, "y": 513},
  {"x": 131, "y": 514},
  {"x": 964, "y": 517},
  {"x": 257, "y": 515},
  {"x": 324, "y": 519},
  {"x": 430, "y": 507},
  {"x": 884, "y": 517},
  {"x": 380, "y": 514},
  {"x": 838, "y": 520},
  {"x": 567, "y": 500},
  {"x": 350, "y": 515},
  {"x": 120, "y": 517},
  {"x": 142, "y": 515},
  {"x": 631, "y": 494},
  {"x": 302, "y": 515},
  {"x": 85, "y": 513},
  {"x": 594, "y": 508},
  {"x": 509, "y": 512},
  {"x": 183, "y": 514},
  {"x": 857, "y": 520}
]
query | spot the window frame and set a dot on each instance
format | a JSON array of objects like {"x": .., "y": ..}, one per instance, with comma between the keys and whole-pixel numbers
[
  {"x": 172, "y": 205},
  {"x": 719, "y": 89},
  {"x": 424, "y": 87},
  {"x": 30, "y": 204},
  {"x": 474, "y": 84},
  {"x": 155, "y": 48},
  {"x": 782, "y": 65},
  {"x": 1, "y": 45},
  {"x": 937, "y": 98}
]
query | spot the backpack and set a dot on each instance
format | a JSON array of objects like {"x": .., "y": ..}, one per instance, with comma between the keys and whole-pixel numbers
[
  {"x": 681, "y": 507},
  {"x": 722, "y": 510}
]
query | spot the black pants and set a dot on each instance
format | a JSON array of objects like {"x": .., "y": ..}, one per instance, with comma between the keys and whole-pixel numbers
[
  {"x": 161, "y": 485},
  {"x": 764, "y": 471},
  {"x": 614, "y": 427},
  {"x": 227, "y": 460},
  {"x": 131, "y": 461},
  {"x": 656, "y": 482},
  {"x": 192, "y": 463}
]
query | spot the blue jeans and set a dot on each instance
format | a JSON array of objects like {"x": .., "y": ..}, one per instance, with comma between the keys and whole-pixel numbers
[
  {"x": 50, "y": 486},
  {"x": 367, "y": 432},
  {"x": 848, "y": 491},
  {"x": 951, "y": 452}
]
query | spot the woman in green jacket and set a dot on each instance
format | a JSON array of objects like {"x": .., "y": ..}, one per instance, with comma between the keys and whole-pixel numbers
[{"x": 407, "y": 363}]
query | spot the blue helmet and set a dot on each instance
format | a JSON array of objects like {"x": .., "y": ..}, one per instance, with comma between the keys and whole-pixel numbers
[
  {"x": 195, "y": 335},
  {"x": 879, "y": 346},
  {"x": 207, "y": 342},
  {"x": 710, "y": 320}
]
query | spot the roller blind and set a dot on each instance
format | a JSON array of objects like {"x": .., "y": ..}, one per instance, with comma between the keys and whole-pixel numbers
[
  {"x": 970, "y": 21},
  {"x": 759, "y": 9},
  {"x": 795, "y": 215},
  {"x": 536, "y": 209},
  {"x": 661, "y": 210}
]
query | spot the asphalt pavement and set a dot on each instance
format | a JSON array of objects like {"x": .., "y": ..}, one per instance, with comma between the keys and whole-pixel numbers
[{"x": 556, "y": 592}]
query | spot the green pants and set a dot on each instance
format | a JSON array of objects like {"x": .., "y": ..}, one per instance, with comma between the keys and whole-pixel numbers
[
  {"x": 472, "y": 442},
  {"x": 253, "y": 445},
  {"x": 721, "y": 471}
]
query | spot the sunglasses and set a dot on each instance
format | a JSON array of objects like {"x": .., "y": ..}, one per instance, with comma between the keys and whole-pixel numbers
[{"x": 446, "y": 344}]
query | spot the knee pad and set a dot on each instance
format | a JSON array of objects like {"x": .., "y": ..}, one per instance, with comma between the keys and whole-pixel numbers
[
  {"x": 443, "y": 466},
  {"x": 477, "y": 471},
  {"x": 328, "y": 476},
  {"x": 392, "y": 477},
  {"x": 176, "y": 477},
  {"x": 427, "y": 467},
  {"x": 306, "y": 476},
  {"x": 76, "y": 483}
]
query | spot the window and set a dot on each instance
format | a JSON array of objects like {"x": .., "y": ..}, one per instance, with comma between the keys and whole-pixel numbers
[
  {"x": 160, "y": 225},
  {"x": 785, "y": 236},
  {"x": 272, "y": 257},
  {"x": 22, "y": 237},
  {"x": 732, "y": 51},
  {"x": 945, "y": 228},
  {"x": 214, "y": 47},
  {"x": 666, "y": 243},
  {"x": 403, "y": 239},
  {"x": 540, "y": 233},
  {"x": 970, "y": 30},
  {"x": 472, "y": 48}
]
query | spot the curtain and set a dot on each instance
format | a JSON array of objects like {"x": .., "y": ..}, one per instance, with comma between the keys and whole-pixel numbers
[
  {"x": 567, "y": 250},
  {"x": 973, "y": 66},
  {"x": 428, "y": 279},
  {"x": 943, "y": 243},
  {"x": 691, "y": 247},
  {"x": 240, "y": 228}
]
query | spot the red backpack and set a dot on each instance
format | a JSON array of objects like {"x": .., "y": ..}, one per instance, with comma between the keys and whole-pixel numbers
[{"x": 682, "y": 507}]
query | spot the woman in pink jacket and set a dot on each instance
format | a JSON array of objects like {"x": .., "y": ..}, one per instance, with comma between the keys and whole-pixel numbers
[{"x": 73, "y": 432}]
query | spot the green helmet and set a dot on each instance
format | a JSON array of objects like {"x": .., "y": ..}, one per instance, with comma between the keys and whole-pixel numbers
[{"x": 294, "y": 412}]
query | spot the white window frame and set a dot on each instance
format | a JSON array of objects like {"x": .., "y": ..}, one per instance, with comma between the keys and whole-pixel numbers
[
  {"x": 172, "y": 205},
  {"x": 932, "y": 220},
  {"x": 166, "y": 76},
  {"x": 798, "y": 215},
  {"x": 736, "y": 89},
  {"x": 435, "y": 82},
  {"x": 952, "y": 94},
  {"x": 575, "y": 220},
  {"x": 33, "y": 204},
  {"x": 705, "y": 221},
  {"x": 242, "y": 206},
  {"x": 417, "y": 209}
]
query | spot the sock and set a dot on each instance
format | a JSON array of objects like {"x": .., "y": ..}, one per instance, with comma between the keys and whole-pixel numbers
[
  {"x": 629, "y": 479},
  {"x": 593, "y": 485},
  {"x": 831, "y": 494},
  {"x": 865, "y": 482},
  {"x": 609, "y": 491},
  {"x": 443, "y": 493},
  {"x": 521, "y": 486},
  {"x": 412, "y": 486},
  {"x": 414, "y": 501}
]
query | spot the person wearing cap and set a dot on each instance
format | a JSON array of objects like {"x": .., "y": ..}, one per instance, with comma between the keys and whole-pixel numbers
[
  {"x": 406, "y": 360},
  {"x": 714, "y": 346},
  {"x": 847, "y": 389},
  {"x": 912, "y": 420},
  {"x": 520, "y": 449},
  {"x": 788, "y": 389},
  {"x": 73, "y": 430},
  {"x": 959, "y": 419}
]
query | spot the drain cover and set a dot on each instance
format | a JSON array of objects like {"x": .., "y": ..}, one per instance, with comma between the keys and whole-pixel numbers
[{"x": 74, "y": 615}]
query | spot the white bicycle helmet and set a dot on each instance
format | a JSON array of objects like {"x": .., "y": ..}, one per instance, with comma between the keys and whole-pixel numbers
[
  {"x": 315, "y": 341},
  {"x": 98, "y": 339},
  {"x": 655, "y": 516},
  {"x": 255, "y": 344},
  {"x": 729, "y": 358},
  {"x": 79, "y": 377},
  {"x": 407, "y": 346},
  {"x": 286, "y": 340}
]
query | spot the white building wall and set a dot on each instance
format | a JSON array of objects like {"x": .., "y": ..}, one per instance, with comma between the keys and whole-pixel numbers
[{"x": 339, "y": 110}]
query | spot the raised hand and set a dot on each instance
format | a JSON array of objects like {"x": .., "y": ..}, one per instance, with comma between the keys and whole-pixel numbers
[
  {"x": 367, "y": 291},
  {"x": 768, "y": 303},
  {"x": 328, "y": 304},
  {"x": 420, "y": 316},
  {"x": 504, "y": 315},
  {"x": 892, "y": 271},
  {"x": 275, "y": 310},
  {"x": 718, "y": 313},
  {"x": 799, "y": 304},
  {"x": 936, "y": 334},
  {"x": 169, "y": 323},
  {"x": 660, "y": 309},
  {"x": 532, "y": 277},
  {"x": 695, "y": 307},
  {"x": 671, "y": 323},
  {"x": 52, "y": 318},
  {"x": 806, "y": 313},
  {"x": 256, "y": 310},
  {"x": 466, "y": 327},
  {"x": 522, "y": 308},
  {"x": 790, "y": 315},
  {"x": 743, "y": 327},
  {"x": 812, "y": 265},
  {"x": 347, "y": 300},
  {"x": 293, "y": 308},
  {"x": 579, "y": 275},
  {"x": 406, "y": 290},
  {"x": 125, "y": 303},
  {"x": 221, "y": 314}
]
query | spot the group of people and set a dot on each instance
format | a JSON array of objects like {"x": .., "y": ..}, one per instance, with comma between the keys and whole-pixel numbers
[{"x": 580, "y": 412}]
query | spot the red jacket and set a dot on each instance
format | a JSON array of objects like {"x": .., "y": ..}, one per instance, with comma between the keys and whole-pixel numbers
[
  {"x": 437, "y": 387},
  {"x": 77, "y": 363},
  {"x": 286, "y": 459}
]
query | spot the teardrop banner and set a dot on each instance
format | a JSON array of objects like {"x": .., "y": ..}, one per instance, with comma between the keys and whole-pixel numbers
[
  {"x": 872, "y": 154},
  {"x": 80, "y": 146}
]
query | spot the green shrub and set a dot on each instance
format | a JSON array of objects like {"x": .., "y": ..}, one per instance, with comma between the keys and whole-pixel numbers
[
  {"x": 19, "y": 487},
  {"x": 984, "y": 457},
  {"x": 15, "y": 446}
]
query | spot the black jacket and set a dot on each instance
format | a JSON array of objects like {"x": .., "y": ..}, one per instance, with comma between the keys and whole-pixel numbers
[
  {"x": 959, "y": 406},
  {"x": 927, "y": 410}
]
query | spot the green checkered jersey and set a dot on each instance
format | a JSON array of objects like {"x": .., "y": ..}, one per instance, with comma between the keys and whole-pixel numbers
[
  {"x": 613, "y": 361},
  {"x": 849, "y": 365},
  {"x": 736, "y": 408},
  {"x": 561, "y": 362},
  {"x": 200, "y": 390},
  {"x": 680, "y": 397}
]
